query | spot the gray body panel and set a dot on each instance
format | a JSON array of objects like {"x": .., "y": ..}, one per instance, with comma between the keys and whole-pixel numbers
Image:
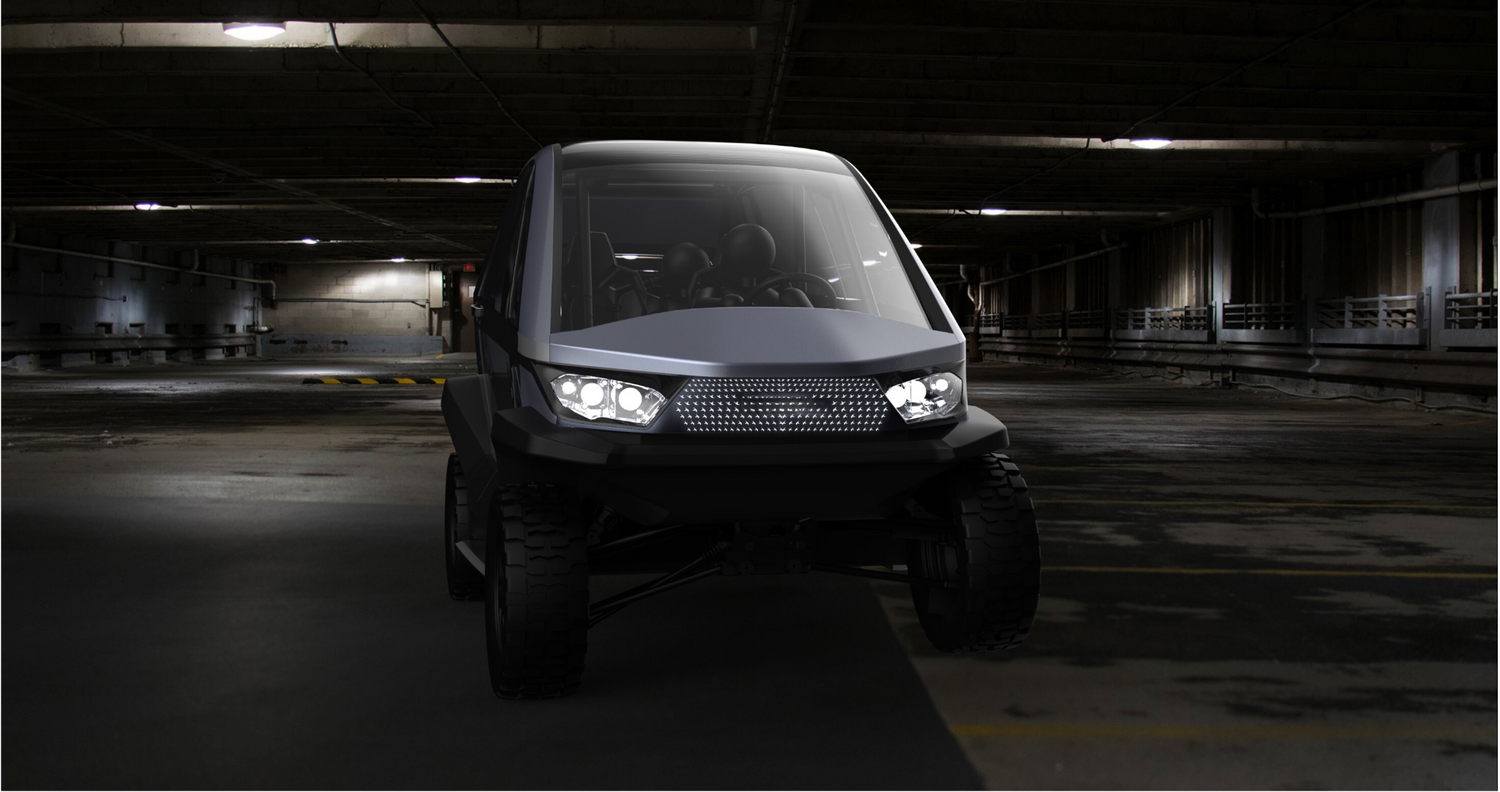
[{"x": 752, "y": 341}]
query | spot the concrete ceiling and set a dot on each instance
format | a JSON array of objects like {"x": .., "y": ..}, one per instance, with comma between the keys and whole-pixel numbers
[{"x": 250, "y": 148}]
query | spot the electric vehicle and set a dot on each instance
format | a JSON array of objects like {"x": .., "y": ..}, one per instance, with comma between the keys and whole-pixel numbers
[{"x": 702, "y": 359}]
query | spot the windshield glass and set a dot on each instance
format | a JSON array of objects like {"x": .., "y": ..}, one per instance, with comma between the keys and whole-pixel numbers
[{"x": 696, "y": 236}]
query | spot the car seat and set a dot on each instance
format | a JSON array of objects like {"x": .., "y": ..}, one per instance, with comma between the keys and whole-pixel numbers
[
  {"x": 746, "y": 254},
  {"x": 680, "y": 265}
]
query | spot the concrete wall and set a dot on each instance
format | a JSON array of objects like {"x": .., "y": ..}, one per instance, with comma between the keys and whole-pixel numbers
[
  {"x": 68, "y": 309},
  {"x": 1299, "y": 272},
  {"x": 373, "y": 309}
]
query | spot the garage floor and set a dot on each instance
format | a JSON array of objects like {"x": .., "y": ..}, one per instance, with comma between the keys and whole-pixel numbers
[{"x": 215, "y": 575}]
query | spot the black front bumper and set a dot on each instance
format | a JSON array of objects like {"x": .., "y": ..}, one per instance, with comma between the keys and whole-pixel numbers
[{"x": 654, "y": 478}]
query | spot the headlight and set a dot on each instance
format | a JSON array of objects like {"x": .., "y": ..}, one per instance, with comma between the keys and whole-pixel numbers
[
  {"x": 598, "y": 397},
  {"x": 924, "y": 398}
]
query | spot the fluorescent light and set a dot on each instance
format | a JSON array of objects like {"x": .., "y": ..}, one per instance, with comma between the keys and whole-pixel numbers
[
  {"x": 309, "y": 241},
  {"x": 466, "y": 179},
  {"x": 254, "y": 31},
  {"x": 148, "y": 207},
  {"x": 916, "y": 245},
  {"x": 627, "y": 256},
  {"x": 1150, "y": 143},
  {"x": 398, "y": 259},
  {"x": 992, "y": 211}
]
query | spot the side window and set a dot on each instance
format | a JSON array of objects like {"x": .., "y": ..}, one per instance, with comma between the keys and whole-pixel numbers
[{"x": 499, "y": 262}]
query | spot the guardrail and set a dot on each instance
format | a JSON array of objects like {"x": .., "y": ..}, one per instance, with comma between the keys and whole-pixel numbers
[
  {"x": 1261, "y": 316},
  {"x": 1468, "y": 320},
  {"x": 1382, "y": 320},
  {"x": 1189, "y": 317}
]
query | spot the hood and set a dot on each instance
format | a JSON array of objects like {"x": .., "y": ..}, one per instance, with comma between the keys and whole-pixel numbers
[{"x": 752, "y": 341}]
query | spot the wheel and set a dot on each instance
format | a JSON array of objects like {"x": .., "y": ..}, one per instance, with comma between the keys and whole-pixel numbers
[
  {"x": 536, "y": 592},
  {"x": 464, "y": 581},
  {"x": 991, "y": 556}
]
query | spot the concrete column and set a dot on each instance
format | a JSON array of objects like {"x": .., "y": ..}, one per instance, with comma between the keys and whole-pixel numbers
[
  {"x": 1314, "y": 245},
  {"x": 1440, "y": 241},
  {"x": 1218, "y": 289}
]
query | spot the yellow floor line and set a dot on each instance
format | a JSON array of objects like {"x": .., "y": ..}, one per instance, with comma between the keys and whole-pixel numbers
[
  {"x": 405, "y": 381},
  {"x": 1290, "y": 572},
  {"x": 438, "y": 380},
  {"x": 329, "y": 380},
  {"x": 367, "y": 381},
  {"x": 1230, "y": 732},
  {"x": 1271, "y": 504}
]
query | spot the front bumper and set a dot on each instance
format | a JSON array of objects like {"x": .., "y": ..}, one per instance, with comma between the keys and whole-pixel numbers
[{"x": 654, "y": 478}]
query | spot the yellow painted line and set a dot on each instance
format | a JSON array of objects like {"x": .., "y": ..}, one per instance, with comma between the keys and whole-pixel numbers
[
  {"x": 329, "y": 380},
  {"x": 438, "y": 380},
  {"x": 1272, "y": 504},
  {"x": 366, "y": 381},
  {"x": 405, "y": 381},
  {"x": 1229, "y": 732},
  {"x": 1288, "y": 572}
]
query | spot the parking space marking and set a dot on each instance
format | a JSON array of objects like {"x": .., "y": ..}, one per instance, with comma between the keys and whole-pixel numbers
[
  {"x": 1228, "y": 731},
  {"x": 1289, "y": 572},
  {"x": 1272, "y": 504}
]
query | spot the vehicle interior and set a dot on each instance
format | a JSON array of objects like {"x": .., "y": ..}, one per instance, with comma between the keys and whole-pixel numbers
[{"x": 706, "y": 239}]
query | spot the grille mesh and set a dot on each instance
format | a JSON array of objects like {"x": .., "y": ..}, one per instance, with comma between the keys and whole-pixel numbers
[{"x": 781, "y": 404}]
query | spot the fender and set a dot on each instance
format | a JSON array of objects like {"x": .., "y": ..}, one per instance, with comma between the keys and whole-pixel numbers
[{"x": 469, "y": 404}]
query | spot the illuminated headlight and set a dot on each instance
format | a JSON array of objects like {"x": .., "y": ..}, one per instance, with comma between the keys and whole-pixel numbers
[
  {"x": 596, "y": 397},
  {"x": 923, "y": 398}
]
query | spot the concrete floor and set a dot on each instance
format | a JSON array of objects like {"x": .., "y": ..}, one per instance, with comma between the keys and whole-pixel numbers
[{"x": 217, "y": 576}]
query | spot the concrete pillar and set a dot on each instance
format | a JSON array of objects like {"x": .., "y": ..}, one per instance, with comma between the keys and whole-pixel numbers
[
  {"x": 1440, "y": 241},
  {"x": 1314, "y": 246},
  {"x": 1218, "y": 273}
]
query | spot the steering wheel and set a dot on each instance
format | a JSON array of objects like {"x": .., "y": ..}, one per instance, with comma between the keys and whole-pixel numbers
[{"x": 823, "y": 286}]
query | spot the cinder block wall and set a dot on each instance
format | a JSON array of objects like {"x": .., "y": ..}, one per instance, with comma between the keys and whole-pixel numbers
[
  {"x": 53, "y": 294},
  {"x": 381, "y": 308}
]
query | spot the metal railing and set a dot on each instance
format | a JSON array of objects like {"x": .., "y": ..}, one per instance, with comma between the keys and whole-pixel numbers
[
  {"x": 1401, "y": 312},
  {"x": 1189, "y": 317},
  {"x": 990, "y": 319},
  {"x": 1014, "y": 322},
  {"x": 1049, "y": 321},
  {"x": 1088, "y": 320},
  {"x": 1261, "y": 316},
  {"x": 1473, "y": 311}
]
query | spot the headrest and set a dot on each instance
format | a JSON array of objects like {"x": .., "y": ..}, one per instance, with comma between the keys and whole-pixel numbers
[
  {"x": 681, "y": 262},
  {"x": 601, "y": 256},
  {"x": 747, "y": 250}
]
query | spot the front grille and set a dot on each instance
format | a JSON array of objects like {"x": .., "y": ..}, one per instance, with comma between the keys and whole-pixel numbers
[{"x": 780, "y": 404}]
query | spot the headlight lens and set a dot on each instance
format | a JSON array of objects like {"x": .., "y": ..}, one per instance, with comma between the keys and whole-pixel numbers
[
  {"x": 598, "y": 397},
  {"x": 924, "y": 398}
]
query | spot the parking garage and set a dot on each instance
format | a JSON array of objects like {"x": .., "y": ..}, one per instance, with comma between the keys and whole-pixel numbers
[{"x": 1225, "y": 271}]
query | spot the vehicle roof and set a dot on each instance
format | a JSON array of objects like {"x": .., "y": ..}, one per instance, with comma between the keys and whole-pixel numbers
[{"x": 620, "y": 152}]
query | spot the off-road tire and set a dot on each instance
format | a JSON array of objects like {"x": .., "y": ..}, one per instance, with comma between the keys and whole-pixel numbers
[
  {"x": 536, "y": 592},
  {"x": 992, "y": 554},
  {"x": 464, "y": 581}
]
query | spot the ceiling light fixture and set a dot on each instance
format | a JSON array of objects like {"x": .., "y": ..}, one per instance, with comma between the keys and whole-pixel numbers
[
  {"x": 147, "y": 207},
  {"x": 466, "y": 179},
  {"x": 309, "y": 241},
  {"x": 398, "y": 259},
  {"x": 1150, "y": 143},
  {"x": 254, "y": 31},
  {"x": 992, "y": 211}
]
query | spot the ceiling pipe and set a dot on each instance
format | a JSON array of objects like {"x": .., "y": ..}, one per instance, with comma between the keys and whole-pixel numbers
[
  {"x": 149, "y": 264},
  {"x": 1406, "y": 197},
  {"x": 1100, "y": 252}
]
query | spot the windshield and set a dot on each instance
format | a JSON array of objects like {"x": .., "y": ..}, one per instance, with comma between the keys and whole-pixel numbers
[{"x": 689, "y": 236}]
